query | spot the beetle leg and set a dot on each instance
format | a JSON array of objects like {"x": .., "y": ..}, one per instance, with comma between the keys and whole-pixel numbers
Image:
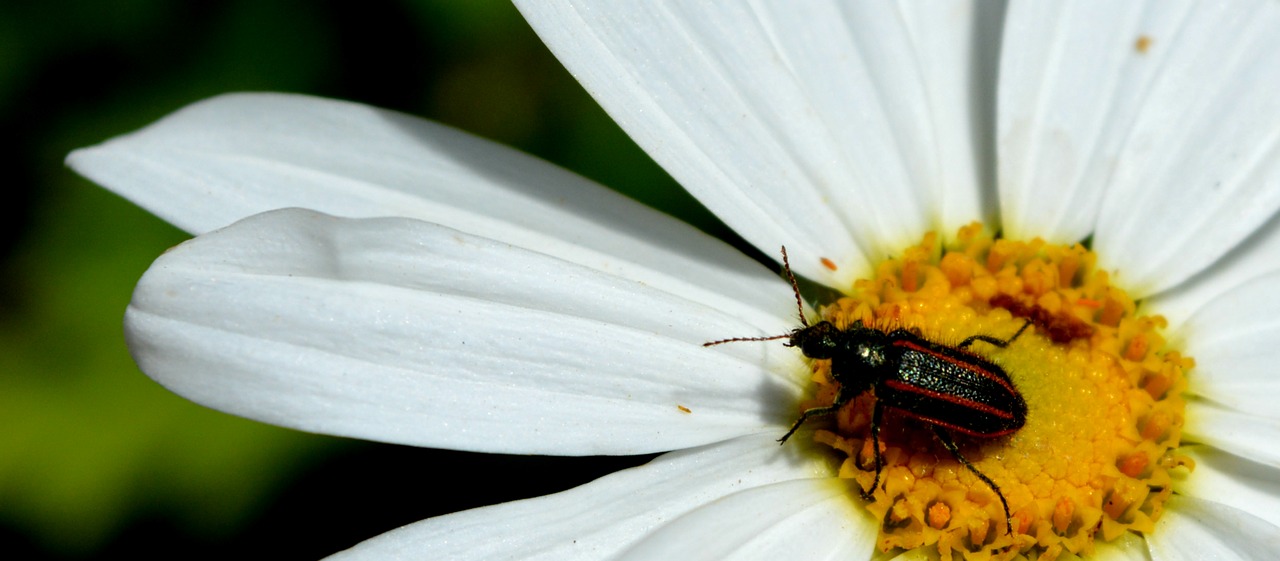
[
  {"x": 876, "y": 413},
  {"x": 815, "y": 412},
  {"x": 842, "y": 397},
  {"x": 1002, "y": 343},
  {"x": 950, "y": 445}
]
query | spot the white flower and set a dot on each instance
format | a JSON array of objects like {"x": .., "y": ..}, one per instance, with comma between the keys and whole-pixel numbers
[{"x": 477, "y": 299}]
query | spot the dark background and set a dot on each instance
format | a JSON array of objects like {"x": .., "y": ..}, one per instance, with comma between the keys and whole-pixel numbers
[{"x": 95, "y": 459}]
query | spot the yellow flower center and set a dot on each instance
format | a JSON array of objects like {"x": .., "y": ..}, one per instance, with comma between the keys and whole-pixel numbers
[{"x": 1103, "y": 393}]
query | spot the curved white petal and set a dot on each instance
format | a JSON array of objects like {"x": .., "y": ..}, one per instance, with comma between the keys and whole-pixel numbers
[
  {"x": 1233, "y": 481},
  {"x": 932, "y": 66},
  {"x": 1200, "y": 169},
  {"x": 798, "y": 124},
  {"x": 1072, "y": 82},
  {"x": 1257, "y": 257},
  {"x": 403, "y": 331},
  {"x": 1156, "y": 118},
  {"x": 1248, "y": 436},
  {"x": 1195, "y": 530},
  {"x": 232, "y": 156},
  {"x": 601, "y": 518},
  {"x": 1232, "y": 338},
  {"x": 799, "y": 519},
  {"x": 957, "y": 48}
]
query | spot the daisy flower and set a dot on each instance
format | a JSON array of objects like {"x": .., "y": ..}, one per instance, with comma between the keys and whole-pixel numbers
[{"x": 1100, "y": 177}]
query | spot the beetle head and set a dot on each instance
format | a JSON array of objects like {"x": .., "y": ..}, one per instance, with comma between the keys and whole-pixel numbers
[{"x": 819, "y": 340}]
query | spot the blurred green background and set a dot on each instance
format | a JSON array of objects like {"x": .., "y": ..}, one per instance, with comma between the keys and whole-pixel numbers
[{"x": 98, "y": 461}]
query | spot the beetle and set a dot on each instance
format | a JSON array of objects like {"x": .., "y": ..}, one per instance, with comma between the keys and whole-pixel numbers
[{"x": 944, "y": 386}]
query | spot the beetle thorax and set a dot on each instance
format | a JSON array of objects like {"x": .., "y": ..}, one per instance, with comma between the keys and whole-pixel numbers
[{"x": 870, "y": 355}]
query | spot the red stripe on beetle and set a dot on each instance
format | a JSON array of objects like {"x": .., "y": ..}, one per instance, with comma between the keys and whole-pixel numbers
[
  {"x": 949, "y": 398},
  {"x": 954, "y": 427}
]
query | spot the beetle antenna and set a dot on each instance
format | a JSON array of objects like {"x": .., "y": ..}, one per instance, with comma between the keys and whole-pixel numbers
[
  {"x": 795, "y": 287},
  {"x": 737, "y": 339}
]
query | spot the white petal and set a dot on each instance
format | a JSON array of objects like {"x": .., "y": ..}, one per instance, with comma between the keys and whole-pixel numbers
[
  {"x": 233, "y": 156},
  {"x": 1248, "y": 436},
  {"x": 1200, "y": 169},
  {"x": 1257, "y": 257},
  {"x": 1172, "y": 147},
  {"x": 957, "y": 47},
  {"x": 798, "y": 519},
  {"x": 398, "y": 330},
  {"x": 795, "y": 123},
  {"x": 1071, "y": 85},
  {"x": 1232, "y": 338},
  {"x": 930, "y": 68},
  {"x": 1233, "y": 481},
  {"x": 1195, "y": 530},
  {"x": 597, "y": 520}
]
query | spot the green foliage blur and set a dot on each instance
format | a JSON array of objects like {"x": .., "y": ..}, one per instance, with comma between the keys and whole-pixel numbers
[{"x": 96, "y": 460}]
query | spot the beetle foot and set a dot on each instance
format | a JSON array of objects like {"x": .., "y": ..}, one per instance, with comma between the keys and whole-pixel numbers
[{"x": 866, "y": 495}]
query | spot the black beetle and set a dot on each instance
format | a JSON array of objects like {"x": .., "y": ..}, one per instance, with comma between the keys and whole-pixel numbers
[{"x": 944, "y": 386}]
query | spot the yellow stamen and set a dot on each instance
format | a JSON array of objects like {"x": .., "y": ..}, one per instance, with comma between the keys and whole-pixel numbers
[{"x": 1103, "y": 393}]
